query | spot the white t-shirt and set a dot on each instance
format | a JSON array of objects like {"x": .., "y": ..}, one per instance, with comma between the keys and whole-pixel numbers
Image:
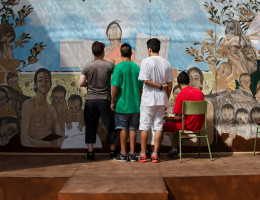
[{"x": 158, "y": 70}]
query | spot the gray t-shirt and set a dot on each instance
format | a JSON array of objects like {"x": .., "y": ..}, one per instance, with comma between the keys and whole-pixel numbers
[{"x": 98, "y": 74}]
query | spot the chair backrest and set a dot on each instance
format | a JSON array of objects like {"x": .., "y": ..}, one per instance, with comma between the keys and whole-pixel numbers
[{"x": 194, "y": 108}]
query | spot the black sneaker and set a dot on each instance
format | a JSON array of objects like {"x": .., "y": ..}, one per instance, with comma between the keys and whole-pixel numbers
[
  {"x": 121, "y": 158},
  {"x": 132, "y": 157},
  {"x": 90, "y": 155},
  {"x": 113, "y": 153},
  {"x": 173, "y": 154}
]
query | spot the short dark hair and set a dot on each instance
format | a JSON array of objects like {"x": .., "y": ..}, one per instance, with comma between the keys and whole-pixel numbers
[
  {"x": 44, "y": 70},
  {"x": 74, "y": 97},
  {"x": 126, "y": 50},
  {"x": 254, "y": 110},
  {"x": 241, "y": 110},
  {"x": 228, "y": 106},
  {"x": 98, "y": 48},
  {"x": 111, "y": 23},
  {"x": 154, "y": 44},
  {"x": 59, "y": 88},
  {"x": 183, "y": 78}
]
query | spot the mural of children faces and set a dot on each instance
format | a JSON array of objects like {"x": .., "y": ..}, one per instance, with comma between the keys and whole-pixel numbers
[
  {"x": 58, "y": 95},
  {"x": 8, "y": 128},
  {"x": 245, "y": 82},
  {"x": 255, "y": 115},
  {"x": 76, "y": 113},
  {"x": 60, "y": 104},
  {"x": 75, "y": 103},
  {"x": 196, "y": 77},
  {"x": 176, "y": 90},
  {"x": 224, "y": 70},
  {"x": 12, "y": 81},
  {"x": 242, "y": 116},
  {"x": 227, "y": 113},
  {"x": 42, "y": 82},
  {"x": 5, "y": 107}
]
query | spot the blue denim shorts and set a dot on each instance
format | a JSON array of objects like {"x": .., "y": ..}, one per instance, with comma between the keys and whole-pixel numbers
[{"x": 127, "y": 121}]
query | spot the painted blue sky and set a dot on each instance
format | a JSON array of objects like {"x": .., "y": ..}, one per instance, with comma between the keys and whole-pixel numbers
[{"x": 185, "y": 21}]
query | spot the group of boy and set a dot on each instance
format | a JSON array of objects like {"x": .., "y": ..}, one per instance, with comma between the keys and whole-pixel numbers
[{"x": 139, "y": 99}]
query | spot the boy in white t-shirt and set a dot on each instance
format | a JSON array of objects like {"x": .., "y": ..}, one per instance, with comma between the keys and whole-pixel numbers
[{"x": 156, "y": 73}]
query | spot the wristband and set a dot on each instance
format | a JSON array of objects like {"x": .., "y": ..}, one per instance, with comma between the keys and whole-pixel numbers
[{"x": 161, "y": 87}]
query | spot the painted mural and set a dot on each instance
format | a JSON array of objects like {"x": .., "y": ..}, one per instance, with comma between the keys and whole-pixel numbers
[{"x": 44, "y": 45}]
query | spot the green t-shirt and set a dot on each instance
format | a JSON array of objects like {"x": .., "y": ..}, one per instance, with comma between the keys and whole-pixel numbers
[{"x": 125, "y": 77}]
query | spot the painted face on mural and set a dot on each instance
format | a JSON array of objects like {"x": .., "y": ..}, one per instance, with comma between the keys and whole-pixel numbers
[
  {"x": 8, "y": 129},
  {"x": 74, "y": 106},
  {"x": 3, "y": 99},
  {"x": 245, "y": 81},
  {"x": 231, "y": 29},
  {"x": 224, "y": 70},
  {"x": 242, "y": 118},
  {"x": 227, "y": 114},
  {"x": 114, "y": 32},
  {"x": 58, "y": 97},
  {"x": 13, "y": 82},
  {"x": 175, "y": 93},
  {"x": 195, "y": 79},
  {"x": 43, "y": 84},
  {"x": 255, "y": 117}
]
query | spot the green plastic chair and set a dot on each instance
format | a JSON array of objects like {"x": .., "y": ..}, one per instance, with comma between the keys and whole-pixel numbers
[
  {"x": 257, "y": 131},
  {"x": 194, "y": 108}
]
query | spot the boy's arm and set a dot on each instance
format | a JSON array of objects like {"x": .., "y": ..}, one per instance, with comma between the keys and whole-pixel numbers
[
  {"x": 82, "y": 81},
  {"x": 113, "y": 97},
  {"x": 156, "y": 85},
  {"x": 169, "y": 89}
]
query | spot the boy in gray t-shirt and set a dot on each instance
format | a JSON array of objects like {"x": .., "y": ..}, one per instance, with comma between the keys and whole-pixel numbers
[{"x": 96, "y": 75}]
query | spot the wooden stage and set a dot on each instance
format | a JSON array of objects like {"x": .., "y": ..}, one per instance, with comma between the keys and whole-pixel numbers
[{"x": 72, "y": 177}]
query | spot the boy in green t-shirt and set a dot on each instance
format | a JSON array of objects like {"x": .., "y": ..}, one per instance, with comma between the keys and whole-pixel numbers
[{"x": 125, "y": 101}]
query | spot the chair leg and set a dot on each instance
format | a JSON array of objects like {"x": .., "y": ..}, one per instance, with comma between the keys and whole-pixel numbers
[
  {"x": 256, "y": 139},
  {"x": 208, "y": 147},
  {"x": 180, "y": 145},
  {"x": 199, "y": 144}
]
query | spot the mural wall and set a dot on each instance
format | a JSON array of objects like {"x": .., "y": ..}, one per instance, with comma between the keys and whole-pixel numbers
[{"x": 45, "y": 44}]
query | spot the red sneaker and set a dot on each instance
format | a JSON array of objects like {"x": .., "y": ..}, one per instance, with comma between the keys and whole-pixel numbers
[
  {"x": 142, "y": 158},
  {"x": 155, "y": 159}
]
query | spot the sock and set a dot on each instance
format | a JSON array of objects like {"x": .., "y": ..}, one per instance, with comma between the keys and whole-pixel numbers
[
  {"x": 142, "y": 154},
  {"x": 155, "y": 154}
]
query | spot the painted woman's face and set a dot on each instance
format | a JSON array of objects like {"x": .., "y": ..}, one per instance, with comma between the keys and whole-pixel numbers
[
  {"x": 231, "y": 29},
  {"x": 114, "y": 32},
  {"x": 43, "y": 83},
  {"x": 242, "y": 118},
  {"x": 195, "y": 79}
]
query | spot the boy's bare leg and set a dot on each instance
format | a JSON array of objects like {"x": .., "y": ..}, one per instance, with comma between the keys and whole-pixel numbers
[
  {"x": 123, "y": 139},
  {"x": 90, "y": 147},
  {"x": 132, "y": 137},
  {"x": 158, "y": 136},
  {"x": 144, "y": 138}
]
